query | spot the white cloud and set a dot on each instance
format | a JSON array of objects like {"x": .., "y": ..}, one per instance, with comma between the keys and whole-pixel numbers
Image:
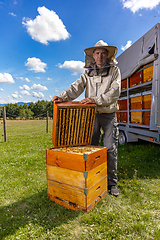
[
  {"x": 136, "y": 5},
  {"x": 39, "y": 87},
  {"x": 15, "y": 95},
  {"x": 6, "y": 78},
  {"x": 27, "y": 80},
  {"x": 38, "y": 95},
  {"x": 49, "y": 79},
  {"x": 129, "y": 43},
  {"x": 25, "y": 87},
  {"x": 1, "y": 89},
  {"x": 12, "y": 14},
  {"x": 73, "y": 66},
  {"x": 47, "y": 26},
  {"x": 3, "y": 102},
  {"x": 25, "y": 92},
  {"x": 35, "y": 64}
]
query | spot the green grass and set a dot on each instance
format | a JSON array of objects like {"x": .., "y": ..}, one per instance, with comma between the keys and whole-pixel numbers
[{"x": 26, "y": 213}]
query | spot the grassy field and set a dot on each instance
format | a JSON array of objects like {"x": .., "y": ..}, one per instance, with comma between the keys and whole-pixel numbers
[{"x": 26, "y": 213}]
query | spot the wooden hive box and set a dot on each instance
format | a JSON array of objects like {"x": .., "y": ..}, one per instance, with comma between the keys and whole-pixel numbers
[
  {"x": 140, "y": 102},
  {"x": 136, "y": 103},
  {"x": 148, "y": 73},
  {"x": 123, "y": 117},
  {"x": 122, "y": 104},
  {"x": 136, "y": 118},
  {"x": 147, "y": 101},
  {"x": 136, "y": 79},
  {"x": 123, "y": 84},
  {"x": 146, "y": 118},
  {"x": 118, "y": 114},
  {"x": 141, "y": 118},
  {"x": 76, "y": 171}
]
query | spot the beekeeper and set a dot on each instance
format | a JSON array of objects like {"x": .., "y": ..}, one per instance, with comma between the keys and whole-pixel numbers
[{"x": 101, "y": 82}]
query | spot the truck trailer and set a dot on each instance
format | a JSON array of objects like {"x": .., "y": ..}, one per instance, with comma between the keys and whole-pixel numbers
[{"x": 139, "y": 102}]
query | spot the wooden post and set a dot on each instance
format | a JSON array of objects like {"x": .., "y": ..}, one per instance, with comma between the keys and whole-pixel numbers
[
  {"x": 4, "y": 124},
  {"x": 47, "y": 123}
]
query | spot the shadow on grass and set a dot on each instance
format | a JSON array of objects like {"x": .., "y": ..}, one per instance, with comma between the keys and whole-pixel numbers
[
  {"x": 36, "y": 209},
  {"x": 139, "y": 160}
]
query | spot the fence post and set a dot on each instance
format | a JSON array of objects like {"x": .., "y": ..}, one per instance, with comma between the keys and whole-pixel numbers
[
  {"x": 4, "y": 124},
  {"x": 47, "y": 123}
]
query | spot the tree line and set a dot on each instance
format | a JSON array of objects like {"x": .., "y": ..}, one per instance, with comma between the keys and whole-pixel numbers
[{"x": 31, "y": 110}]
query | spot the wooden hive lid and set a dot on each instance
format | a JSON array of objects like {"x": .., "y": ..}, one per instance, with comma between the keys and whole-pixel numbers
[{"x": 72, "y": 123}]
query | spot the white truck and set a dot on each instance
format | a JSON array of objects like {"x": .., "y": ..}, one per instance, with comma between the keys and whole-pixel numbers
[{"x": 139, "y": 102}]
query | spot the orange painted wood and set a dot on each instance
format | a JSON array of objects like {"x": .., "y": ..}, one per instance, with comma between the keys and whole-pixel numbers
[
  {"x": 84, "y": 179},
  {"x": 140, "y": 102},
  {"x": 147, "y": 101},
  {"x": 76, "y": 207},
  {"x": 66, "y": 160},
  {"x": 146, "y": 118},
  {"x": 75, "y": 195},
  {"x": 137, "y": 118},
  {"x": 123, "y": 84},
  {"x": 141, "y": 118},
  {"x": 66, "y": 176},
  {"x": 122, "y": 104},
  {"x": 136, "y": 103},
  {"x": 92, "y": 205},
  {"x": 118, "y": 116},
  {"x": 123, "y": 117},
  {"x": 66, "y": 192},
  {"x": 97, "y": 190},
  {"x": 96, "y": 158},
  {"x": 96, "y": 174},
  {"x": 72, "y": 123},
  {"x": 78, "y": 189},
  {"x": 136, "y": 79},
  {"x": 148, "y": 73},
  {"x": 76, "y": 161}
]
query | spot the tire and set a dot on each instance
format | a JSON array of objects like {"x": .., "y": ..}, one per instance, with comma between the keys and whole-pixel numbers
[{"x": 122, "y": 138}]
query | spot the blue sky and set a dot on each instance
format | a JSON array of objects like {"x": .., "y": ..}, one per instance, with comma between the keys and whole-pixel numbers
[{"x": 42, "y": 42}]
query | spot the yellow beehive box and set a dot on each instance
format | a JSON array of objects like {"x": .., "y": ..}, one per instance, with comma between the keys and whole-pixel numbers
[
  {"x": 147, "y": 101},
  {"x": 136, "y": 103},
  {"x": 141, "y": 118},
  {"x": 136, "y": 118},
  {"x": 76, "y": 171},
  {"x": 148, "y": 73}
]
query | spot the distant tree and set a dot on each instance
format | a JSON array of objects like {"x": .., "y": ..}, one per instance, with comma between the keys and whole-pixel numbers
[
  {"x": 25, "y": 113},
  {"x": 28, "y": 113},
  {"x": 31, "y": 106},
  {"x": 25, "y": 106},
  {"x": 40, "y": 108},
  {"x": 12, "y": 110},
  {"x": 50, "y": 108},
  {"x": 22, "y": 113}
]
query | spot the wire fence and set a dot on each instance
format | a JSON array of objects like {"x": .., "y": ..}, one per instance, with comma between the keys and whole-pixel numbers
[{"x": 12, "y": 125}]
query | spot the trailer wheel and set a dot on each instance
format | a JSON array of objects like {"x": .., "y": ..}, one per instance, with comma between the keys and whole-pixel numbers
[{"x": 122, "y": 138}]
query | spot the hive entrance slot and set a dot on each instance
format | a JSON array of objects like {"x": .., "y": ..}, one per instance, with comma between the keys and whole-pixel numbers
[{"x": 98, "y": 188}]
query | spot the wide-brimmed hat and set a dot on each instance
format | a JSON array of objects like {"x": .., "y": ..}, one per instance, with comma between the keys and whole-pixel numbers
[{"x": 112, "y": 51}]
